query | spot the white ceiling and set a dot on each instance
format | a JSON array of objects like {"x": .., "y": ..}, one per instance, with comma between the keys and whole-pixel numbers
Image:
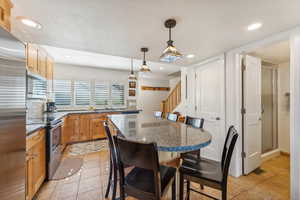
[
  {"x": 120, "y": 28},
  {"x": 277, "y": 53},
  {"x": 84, "y": 58}
]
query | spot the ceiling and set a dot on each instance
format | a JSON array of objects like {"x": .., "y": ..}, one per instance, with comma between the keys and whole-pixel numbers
[
  {"x": 84, "y": 58},
  {"x": 120, "y": 28},
  {"x": 277, "y": 53}
]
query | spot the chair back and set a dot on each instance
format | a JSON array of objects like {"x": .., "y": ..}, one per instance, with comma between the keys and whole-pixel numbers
[
  {"x": 158, "y": 114},
  {"x": 141, "y": 155},
  {"x": 228, "y": 148},
  {"x": 172, "y": 117},
  {"x": 194, "y": 122},
  {"x": 111, "y": 145}
]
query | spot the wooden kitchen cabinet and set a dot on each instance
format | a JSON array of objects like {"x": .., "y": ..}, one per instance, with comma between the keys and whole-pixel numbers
[
  {"x": 97, "y": 130},
  {"x": 49, "y": 68},
  {"x": 5, "y": 13},
  {"x": 70, "y": 130},
  {"x": 85, "y": 127},
  {"x": 32, "y": 58},
  {"x": 35, "y": 162},
  {"x": 42, "y": 62}
]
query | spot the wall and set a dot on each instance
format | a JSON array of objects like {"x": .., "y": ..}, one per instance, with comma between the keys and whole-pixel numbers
[
  {"x": 284, "y": 107},
  {"x": 149, "y": 101},
  {"x": 75, "y": 72}
]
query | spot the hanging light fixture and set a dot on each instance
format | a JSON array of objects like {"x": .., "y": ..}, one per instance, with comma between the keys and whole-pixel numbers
[
  {"x": 131, "y": 75},
  {"x": 144, "y": 67},
  {"x": 170, "y": 54}
]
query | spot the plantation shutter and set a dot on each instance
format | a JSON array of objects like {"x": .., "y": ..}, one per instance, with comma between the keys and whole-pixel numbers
[
  {"x": 117, "y": 94},
  {"x": 63, "y": 92},
  {"x": 101, "y": 97},
  {"x": 82, "y": 92}
]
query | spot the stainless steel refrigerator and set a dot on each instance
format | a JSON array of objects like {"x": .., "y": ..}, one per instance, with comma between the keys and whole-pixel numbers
[{"x": 12, "y": 117}]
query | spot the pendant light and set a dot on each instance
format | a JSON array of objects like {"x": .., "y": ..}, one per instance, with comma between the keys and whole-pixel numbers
[
  {"x": 144, "y": 67},
  {"x": 170, "y": 54},
  {"x": 131, "y": 75}
]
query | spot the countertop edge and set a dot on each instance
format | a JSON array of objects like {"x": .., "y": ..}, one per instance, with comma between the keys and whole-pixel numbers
[{"x": 36, "y": 127}]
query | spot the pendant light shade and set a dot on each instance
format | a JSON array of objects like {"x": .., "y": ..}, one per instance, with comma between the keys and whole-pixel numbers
[
  {"x": 170, "y": 54},
  {"x": 131, "y": 75},
  {"x": 144, "y": 67}
]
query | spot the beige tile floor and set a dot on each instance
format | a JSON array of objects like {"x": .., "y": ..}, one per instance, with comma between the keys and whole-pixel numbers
[{"x": 90, "y": 182}]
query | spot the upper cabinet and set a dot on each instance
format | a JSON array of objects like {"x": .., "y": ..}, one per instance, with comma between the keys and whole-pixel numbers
[
  {"x": 5, "y": 9},
  {"x": 39, "y": 62}
]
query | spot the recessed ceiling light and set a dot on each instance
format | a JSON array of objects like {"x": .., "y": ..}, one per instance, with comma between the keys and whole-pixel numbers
[
  {"x": 161, "y": 68},
  {"x": 29, "y": 22},
  {"x": 254, "y": 26},
  {"x": 67, "y": 56},
  {"x": 190, "y": 56}
]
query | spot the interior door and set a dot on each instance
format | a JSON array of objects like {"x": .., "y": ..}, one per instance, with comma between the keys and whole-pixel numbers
[
  {"x": 252, "y": 136},
  {"x": 210, "y": 105}
]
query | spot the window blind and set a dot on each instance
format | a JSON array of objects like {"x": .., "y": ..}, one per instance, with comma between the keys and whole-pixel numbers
[
  {"x": 101, "y": 94},
  {"x": 82, "y": 93},
  {"x": 63, "y": 92},
  {"x": 117, "y": 94}
]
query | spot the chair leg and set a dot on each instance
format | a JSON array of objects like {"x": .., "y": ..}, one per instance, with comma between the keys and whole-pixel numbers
[
  {"x": 188, "y": 190},
  {"x": 181, "y": 186},
  {"x": 174, "y": 188},
  {"x": 115, "y": 182},
  {"x": 109, "y": 180},
  {"x": 224, "y": 193}
]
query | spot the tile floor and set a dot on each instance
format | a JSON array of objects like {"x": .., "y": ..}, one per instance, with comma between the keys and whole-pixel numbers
[{"x": 90, "y": 182}]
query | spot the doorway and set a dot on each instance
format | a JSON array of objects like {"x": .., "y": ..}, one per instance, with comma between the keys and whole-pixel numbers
[{"x": 266, "y": 104}]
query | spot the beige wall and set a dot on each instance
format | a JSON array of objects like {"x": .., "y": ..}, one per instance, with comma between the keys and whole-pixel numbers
[{"x": 284, "y": 107}]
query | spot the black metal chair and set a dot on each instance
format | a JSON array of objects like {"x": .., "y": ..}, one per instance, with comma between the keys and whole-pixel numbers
[
  {"x": 113, "y": 171},
  {"x": 208, "y": 172},
  {"x": 148, "y": 180},
  {"x": 172, "y": 117},
  {"x": 158, "y": 114}
]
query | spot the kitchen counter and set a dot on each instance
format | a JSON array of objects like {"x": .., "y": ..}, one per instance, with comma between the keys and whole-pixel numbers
[{"x": 41, "y": 123}]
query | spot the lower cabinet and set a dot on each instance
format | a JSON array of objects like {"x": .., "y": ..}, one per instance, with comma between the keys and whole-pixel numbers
[
  {"x": 97, "y": 130},
  {"x": 83, "y": 127},
  {"x": 35, "y": 162}
]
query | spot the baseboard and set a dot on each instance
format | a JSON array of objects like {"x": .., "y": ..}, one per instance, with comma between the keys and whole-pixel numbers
[
  {"x": 271, "y": 154},
  {"x": 283, "y": 153}
]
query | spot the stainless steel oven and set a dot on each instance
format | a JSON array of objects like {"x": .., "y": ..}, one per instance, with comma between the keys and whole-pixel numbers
[{"x": 54, "y": 147}]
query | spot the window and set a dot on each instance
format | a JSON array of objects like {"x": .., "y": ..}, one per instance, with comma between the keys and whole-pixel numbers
[
  {"x": 79, "y": 93},
  {"x": 101, "y": 97},
  {"x": 82, "y": 93},
  {"x": 117, "y": 94},
  {"x": 63, "y": 92}
]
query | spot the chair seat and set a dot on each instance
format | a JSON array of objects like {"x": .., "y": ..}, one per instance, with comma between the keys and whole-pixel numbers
[
  {"x": 202, "y": 169},
  {"x": 143, "y": 179}
]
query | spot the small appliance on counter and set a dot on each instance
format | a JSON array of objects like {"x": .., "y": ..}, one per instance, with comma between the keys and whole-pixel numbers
[{"x": 50, "y": 107}]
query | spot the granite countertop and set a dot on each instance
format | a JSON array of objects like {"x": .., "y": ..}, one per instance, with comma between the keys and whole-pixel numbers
[{"x": 34, "y": 126}]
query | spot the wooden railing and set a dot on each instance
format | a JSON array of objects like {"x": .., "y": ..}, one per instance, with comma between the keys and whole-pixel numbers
[{"x": 173, "y": 100}]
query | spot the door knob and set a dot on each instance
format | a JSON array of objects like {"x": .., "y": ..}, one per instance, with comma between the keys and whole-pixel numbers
[{"x": 218, "y": 118}]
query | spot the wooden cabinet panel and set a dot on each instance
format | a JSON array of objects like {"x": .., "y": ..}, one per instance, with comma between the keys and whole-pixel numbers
[
  {"x": 35, "y": 163},
  {"x": 5, "y": 13},
  {"x": 49, "y": 68},
  {"x": 70, "y": 129},
  {"x": 85, "y": 127},
  {"x": 42, "y": 62},
  {"x": 32, "y": 58},
  {"x": 97, "y": 130}
]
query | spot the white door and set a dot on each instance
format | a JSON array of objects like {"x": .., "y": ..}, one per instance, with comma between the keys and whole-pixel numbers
[
  {"x": 252, "y": 117},
  {"x": 210, "y": 105}
]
